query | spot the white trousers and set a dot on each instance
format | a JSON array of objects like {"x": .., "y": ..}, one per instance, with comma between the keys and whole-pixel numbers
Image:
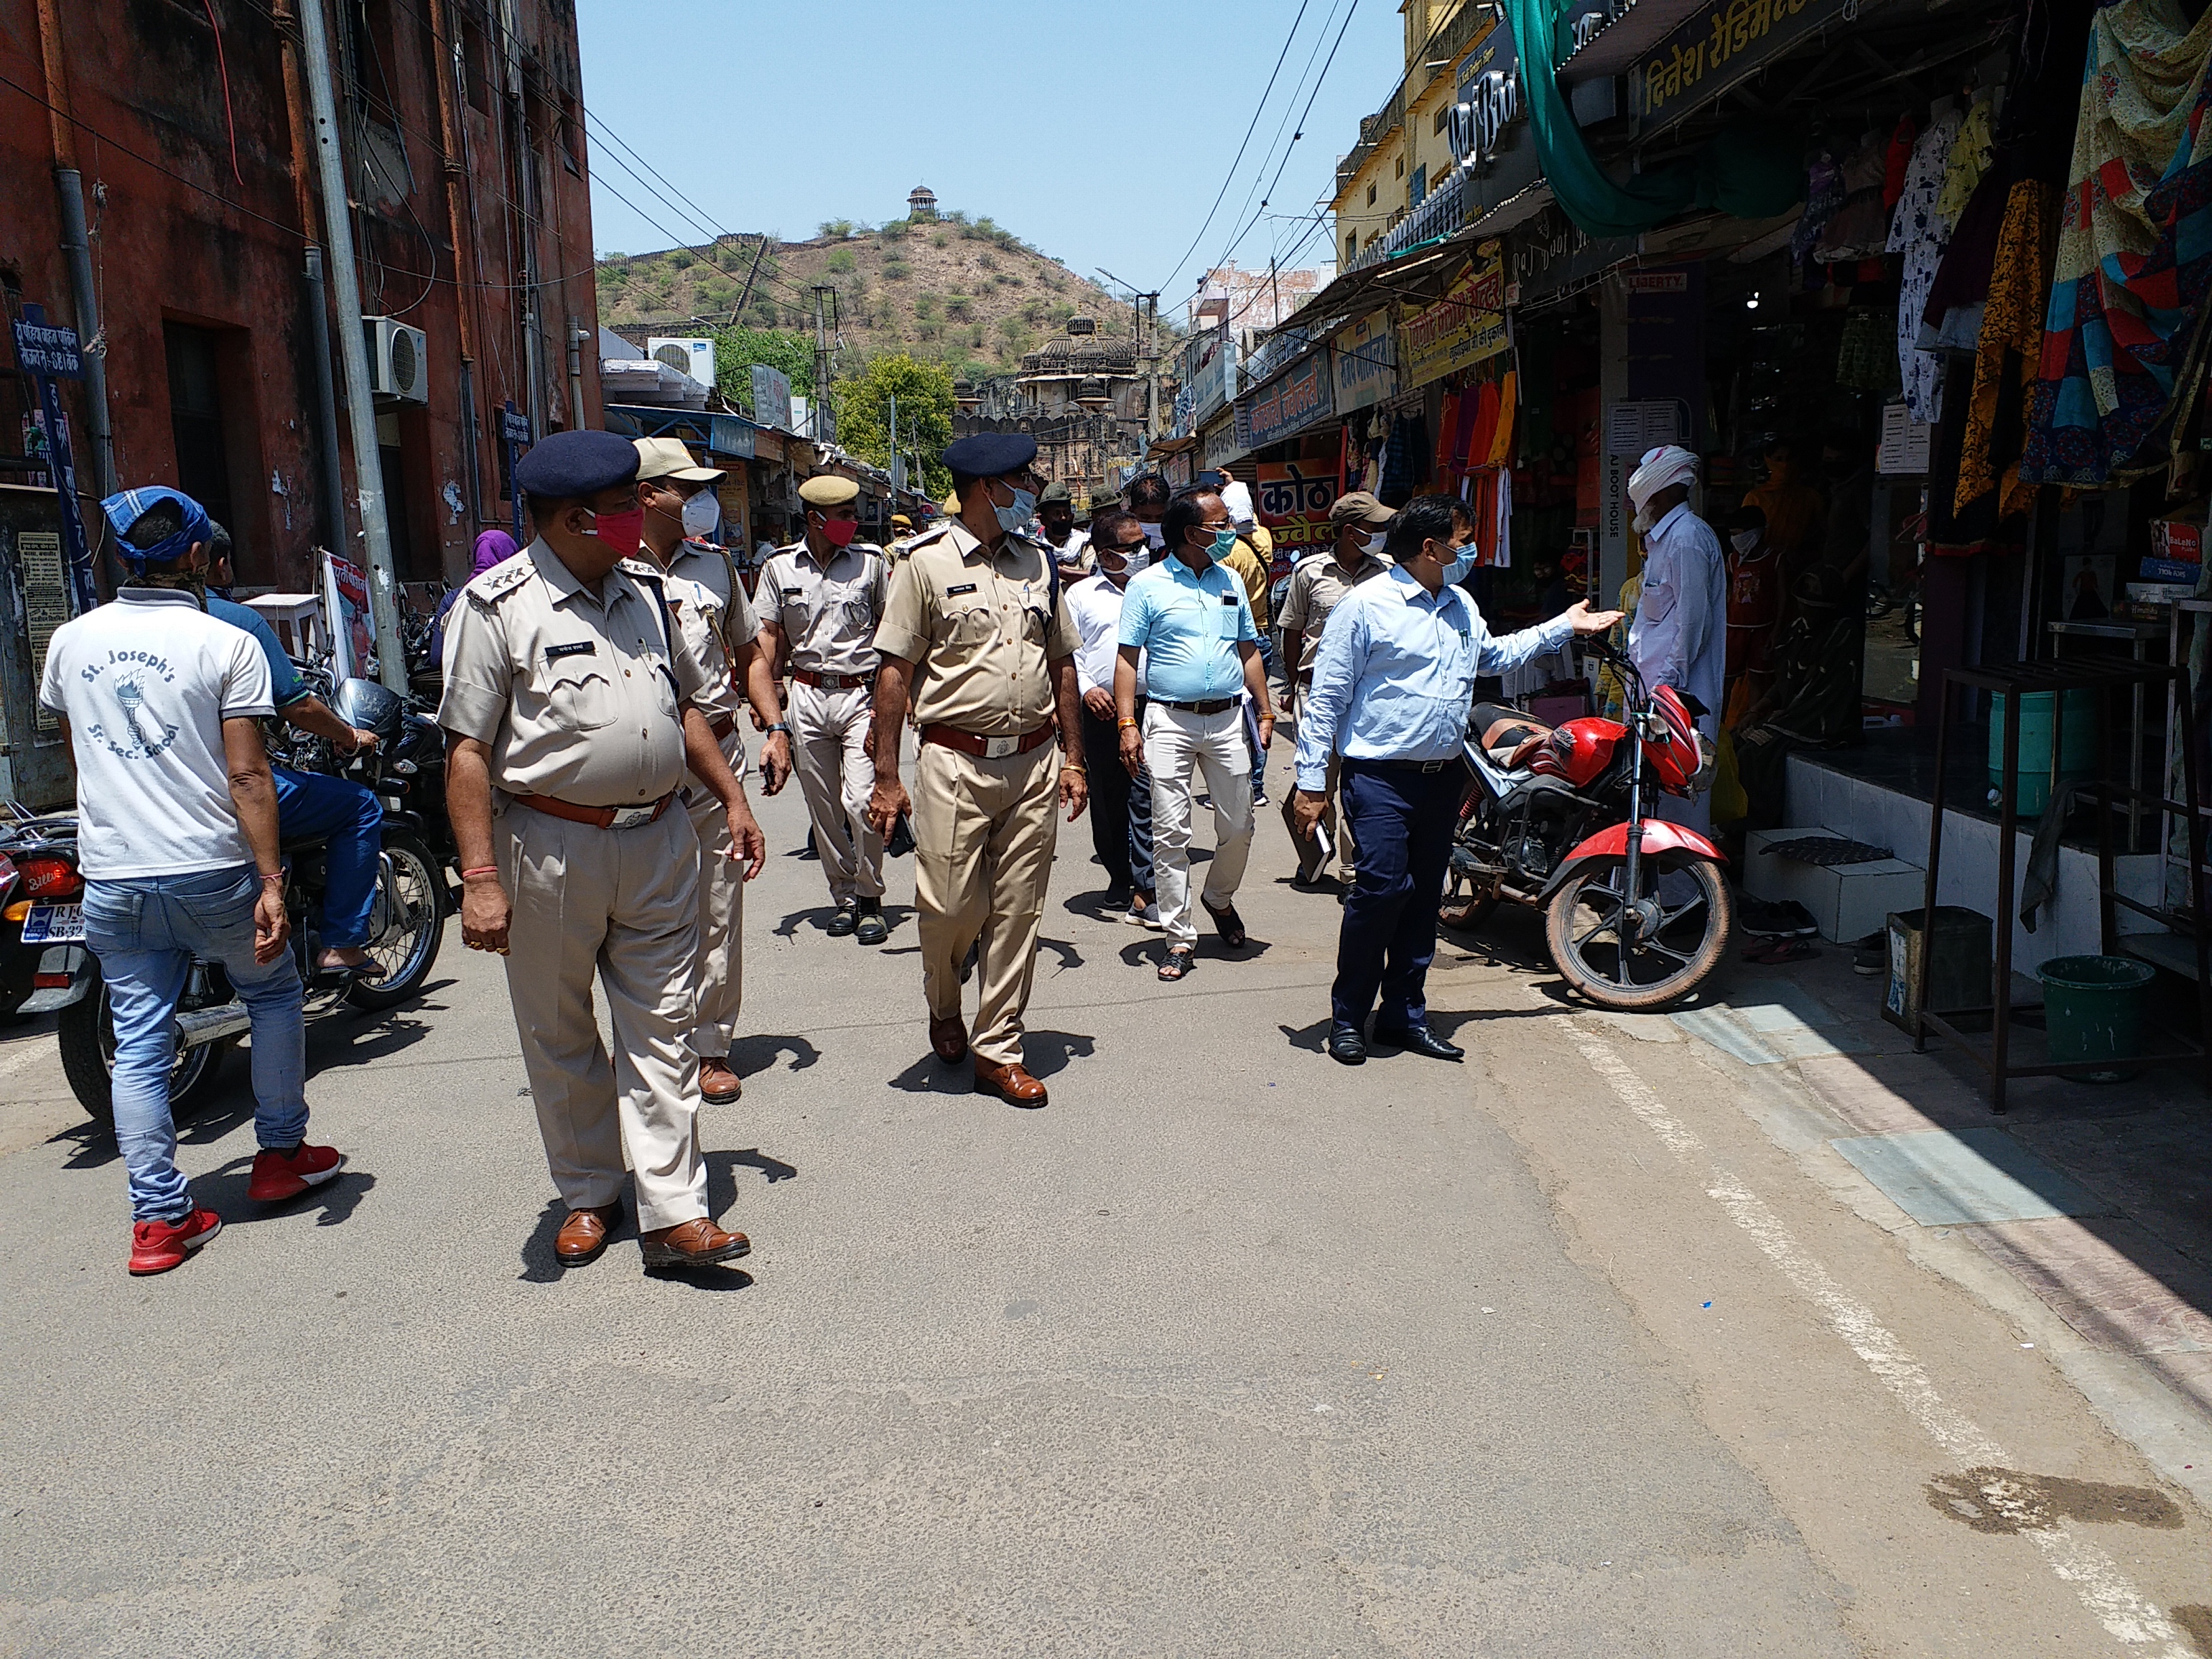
[
  {"x": 1178, "y": 743},
  {"x": 830, "y": 734}
]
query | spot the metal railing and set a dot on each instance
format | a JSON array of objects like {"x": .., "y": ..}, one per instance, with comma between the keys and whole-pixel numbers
[{"x": 1441, "y": 212}]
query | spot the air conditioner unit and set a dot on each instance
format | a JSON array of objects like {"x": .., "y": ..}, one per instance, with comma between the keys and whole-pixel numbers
[
  {"x": 398, "y": 360},
  {"x": 694, "y": 357}
]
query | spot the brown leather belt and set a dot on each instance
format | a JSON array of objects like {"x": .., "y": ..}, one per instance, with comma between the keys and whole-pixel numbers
[
  {"x": 601, "y": 817},
  {"x": 1207, "y": 706},
  {"x": 721, "y": 725},
  {"x": 830, "y": 682},
  {"x": 987, "y": 748}
]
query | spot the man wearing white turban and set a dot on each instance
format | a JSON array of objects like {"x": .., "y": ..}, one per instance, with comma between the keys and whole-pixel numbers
[{"x": 1679, "y": 635}]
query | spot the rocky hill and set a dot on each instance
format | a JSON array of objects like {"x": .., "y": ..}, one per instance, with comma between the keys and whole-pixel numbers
[{"x": 967, "y": 293}]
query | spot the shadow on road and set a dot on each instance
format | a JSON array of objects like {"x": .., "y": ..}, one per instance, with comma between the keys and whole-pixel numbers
[
  {"x": 223, "y": 1191},
  {"x": 722, "y": 1173},
  {"x": 1045, "y": 1053},
  {"x": 757, "y": 1052}
]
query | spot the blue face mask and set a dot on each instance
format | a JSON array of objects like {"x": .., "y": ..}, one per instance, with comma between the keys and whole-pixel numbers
[
  {"x": 1020, "y": 515},
  {"x": 1224, "y": 542}
]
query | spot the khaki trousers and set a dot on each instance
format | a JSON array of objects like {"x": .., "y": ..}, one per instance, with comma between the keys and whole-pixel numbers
[
  {"x": 1177, "y": 744},
  {"x": 830, "y": 751},
  {"x": 984, "y": 832},
  {"x": 720, "y": 969},
  {"x": 1311, "y": 857},
  {"x": 623, "y": 903}
]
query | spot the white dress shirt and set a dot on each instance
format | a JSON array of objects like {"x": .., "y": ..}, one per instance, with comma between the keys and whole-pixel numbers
[
  {"x": 1679, "y": 635},
  {"x": 1095, "y": 603}
]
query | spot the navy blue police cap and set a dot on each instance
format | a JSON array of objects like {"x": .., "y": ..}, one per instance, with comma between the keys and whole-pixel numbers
[
  {"x": 570, "y": 466},
  {"x": 990, "y": 454}
]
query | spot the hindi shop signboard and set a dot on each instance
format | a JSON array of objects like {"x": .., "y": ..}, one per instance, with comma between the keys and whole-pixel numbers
[
  {"x": 1293, "y": 502},
  {"x": 1466, "y": 327},
  {"x": 1715, "y": 46},
  {"x": 1366, "y": 363},
  {"x": 1287, "y": 405}
]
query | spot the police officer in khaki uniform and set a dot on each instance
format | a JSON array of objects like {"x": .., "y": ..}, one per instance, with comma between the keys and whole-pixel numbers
[
  {"x": 820, "y": 600},
  {"x": 975, "y": 632},
  {"x": 569, "y": 693},
  {"x": 716, "y": 618}
]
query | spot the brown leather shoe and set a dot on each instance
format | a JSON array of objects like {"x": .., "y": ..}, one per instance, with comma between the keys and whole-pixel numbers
[
  {"x": 949, "y": 1037},
  {"x": 584, "y": 1234},
  {"x": 1010, "y": 1083},
  {"x": 697, "y": 1243},
  {"x": 718, "y": 1085}
]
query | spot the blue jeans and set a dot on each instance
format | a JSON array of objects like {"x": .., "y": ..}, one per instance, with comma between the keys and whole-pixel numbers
[
  {"x": 1402, "y": 819},
  {"x": 310, "y": 803},
  {"x": 146, "y": 931}
]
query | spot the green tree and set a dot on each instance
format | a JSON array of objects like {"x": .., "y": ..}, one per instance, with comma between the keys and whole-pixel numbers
[
  {"x": 736, "y": 350},
  {"x": 924, "y": 391}
]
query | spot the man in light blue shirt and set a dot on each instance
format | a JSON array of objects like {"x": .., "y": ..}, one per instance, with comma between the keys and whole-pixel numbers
[
  {"x": 1190, "y": 618},
  {"x": 1391, "y": 690}
]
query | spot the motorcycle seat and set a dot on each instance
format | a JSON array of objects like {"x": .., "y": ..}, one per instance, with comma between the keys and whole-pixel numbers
[
  {"x": 1508, "y": 737},
  {"x": 302, "y": 843}
]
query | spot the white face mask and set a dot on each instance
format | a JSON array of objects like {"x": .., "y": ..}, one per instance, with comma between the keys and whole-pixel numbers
[
  {"x": 1374, "y": 541},
  {"x": 701, "y": 513},
  {"x": 1744, "y": 540},
  {"x": 1642, "y": 520}
]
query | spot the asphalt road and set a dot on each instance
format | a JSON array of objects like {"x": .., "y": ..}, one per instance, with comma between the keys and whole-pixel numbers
[{"x": 1227, "y": 1350}]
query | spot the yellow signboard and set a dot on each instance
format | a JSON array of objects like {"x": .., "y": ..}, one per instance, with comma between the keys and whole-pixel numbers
[{"x": 1467, "y": 327}]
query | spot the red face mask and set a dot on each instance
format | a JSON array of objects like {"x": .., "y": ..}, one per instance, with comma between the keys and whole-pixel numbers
[
  {"x": 622, "y": 531},
  {"x": 839, "y": 532}
]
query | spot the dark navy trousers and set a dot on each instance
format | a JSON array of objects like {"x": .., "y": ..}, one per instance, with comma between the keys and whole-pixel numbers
[{"x": 1402, "y": 820}]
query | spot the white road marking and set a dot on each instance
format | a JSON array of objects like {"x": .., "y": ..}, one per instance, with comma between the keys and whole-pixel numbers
[{"x": 2128, "y": 1616}]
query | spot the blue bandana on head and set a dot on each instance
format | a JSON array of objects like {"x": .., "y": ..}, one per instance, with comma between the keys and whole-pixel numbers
[{"x": 124, "y": 509}]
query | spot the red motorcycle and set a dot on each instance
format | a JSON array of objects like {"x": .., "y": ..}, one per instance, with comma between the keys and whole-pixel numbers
[{"x": 1636, "y": 912}]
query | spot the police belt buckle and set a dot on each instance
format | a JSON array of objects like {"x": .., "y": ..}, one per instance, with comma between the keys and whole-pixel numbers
[
  {"x": 1000, "y": 748},
  {"x": 629, "y": 817}
]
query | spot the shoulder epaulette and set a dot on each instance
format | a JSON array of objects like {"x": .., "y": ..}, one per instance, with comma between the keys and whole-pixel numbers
[{"x": 501, "y": 580}]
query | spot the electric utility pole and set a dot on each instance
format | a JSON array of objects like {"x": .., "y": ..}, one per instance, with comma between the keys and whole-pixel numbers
[
  {"x": 825, "y": 417},
  {"x": 353, "y": 354}
]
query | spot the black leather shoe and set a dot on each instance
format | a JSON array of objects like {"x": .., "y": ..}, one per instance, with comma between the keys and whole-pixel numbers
[
  {"x": 847, "y": 919},
  {"x": 872, "y": 928},
  {"x": 1420, "y": 1039},
  {"x": 1346, "y": 1046}
]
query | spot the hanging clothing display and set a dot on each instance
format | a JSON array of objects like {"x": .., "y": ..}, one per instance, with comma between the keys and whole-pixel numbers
[
  {"x": 1900, "y": 157},
  {"x": 1920, "y": 233},
  {"x": 1823, "y": 198},
  {"x": 1968, "y": 161},
  {"x": 2134, "y": 246},
  {"x": 1500, "y": 452},
  {"x": 2012, "y": 324},
  {"x": 1963, "y": 279},
  {"x": 1861, "y": 226},
  {"x": 1866, "y": 358}
]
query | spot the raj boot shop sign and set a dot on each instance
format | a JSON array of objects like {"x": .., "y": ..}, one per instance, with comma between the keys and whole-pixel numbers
[
  {"x": 1715, "y": 46},
  {"x": 1467, "y": 327},
  {"x": 1293, "y": 401}
]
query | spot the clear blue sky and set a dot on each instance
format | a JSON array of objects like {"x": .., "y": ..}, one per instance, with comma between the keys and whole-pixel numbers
[{"x": 1099, "y": 133}]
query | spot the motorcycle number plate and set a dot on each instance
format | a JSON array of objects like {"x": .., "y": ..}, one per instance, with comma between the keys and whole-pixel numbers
[{"x": 54, "y": 924}]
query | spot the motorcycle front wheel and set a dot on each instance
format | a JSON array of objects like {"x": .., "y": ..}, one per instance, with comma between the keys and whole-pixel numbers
[
  {"x": 1668, "y": 949},
  {"x": 86, "y": 1032},
  {"x": 406, "y": 924}
]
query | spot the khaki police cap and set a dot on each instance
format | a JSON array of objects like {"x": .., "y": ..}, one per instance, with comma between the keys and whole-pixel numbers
[
  {"x": 1360, "y": 508},
  {"x": 666, "y": 458},
  {"x": 827, "y": 489}
]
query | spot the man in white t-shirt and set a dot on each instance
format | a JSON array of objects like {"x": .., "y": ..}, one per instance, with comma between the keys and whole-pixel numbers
[
  {"x": 177, "y": 839},
  {"x": 1121, "y": 806}
]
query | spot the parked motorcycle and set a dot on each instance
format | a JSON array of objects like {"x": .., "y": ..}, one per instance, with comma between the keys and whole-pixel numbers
[
  {"x": 40, "y": 892},
  {"x": 1556, "y": 821},
  {"x": 415, "y": 893}
]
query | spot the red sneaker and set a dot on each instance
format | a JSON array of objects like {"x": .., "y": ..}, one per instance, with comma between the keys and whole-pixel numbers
[
  {"x": 158, "y": 1246},
  {"x": 279, "y": 1176}
]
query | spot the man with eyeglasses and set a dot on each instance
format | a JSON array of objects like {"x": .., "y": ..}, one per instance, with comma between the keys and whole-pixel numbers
[
  {"x": 975, "y": 634},
  {"x": 1189, "y": 618},
  {"x": 1121, "y": 806}
]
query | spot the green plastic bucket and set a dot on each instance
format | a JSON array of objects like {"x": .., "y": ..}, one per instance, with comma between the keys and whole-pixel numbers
[
  {"x": 2093, "y": 1009},
  {"x": 2077, "y": 757}
]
